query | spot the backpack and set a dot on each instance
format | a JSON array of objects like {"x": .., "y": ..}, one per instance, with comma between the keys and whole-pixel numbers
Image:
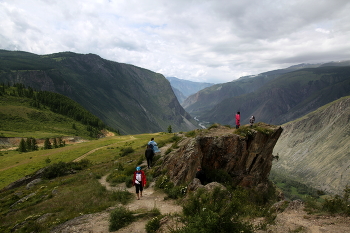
[{"x": 150, "y": 146}]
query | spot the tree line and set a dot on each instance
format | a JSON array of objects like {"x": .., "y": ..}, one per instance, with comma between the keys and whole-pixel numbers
[
  {"x": 57, "y": 103},
  {"x": 30, "y": 144}
]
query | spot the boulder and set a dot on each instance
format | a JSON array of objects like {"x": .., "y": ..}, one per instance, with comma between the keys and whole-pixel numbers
[{"x": 247, "y": 159}]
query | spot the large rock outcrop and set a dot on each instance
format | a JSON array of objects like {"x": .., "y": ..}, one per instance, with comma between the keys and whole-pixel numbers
[{"x": 247, "y": 159}]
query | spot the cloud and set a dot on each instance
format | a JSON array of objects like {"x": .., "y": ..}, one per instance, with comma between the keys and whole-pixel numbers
[{"x": 209, "y": 41}]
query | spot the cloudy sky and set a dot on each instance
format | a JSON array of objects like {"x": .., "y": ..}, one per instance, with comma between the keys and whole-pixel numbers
[{"x": 199, "y": 40}]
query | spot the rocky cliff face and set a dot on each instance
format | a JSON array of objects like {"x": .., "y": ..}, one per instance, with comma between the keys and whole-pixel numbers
[
  {"x": 247, "y": 159},
  {"x": 315, "y": 149}
]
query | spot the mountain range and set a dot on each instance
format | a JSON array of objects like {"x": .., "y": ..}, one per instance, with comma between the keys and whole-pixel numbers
[
  {"x": 274, "y": 97},
  {"x": 184, "y": 88},
  {"x": 127, "y": 98}
]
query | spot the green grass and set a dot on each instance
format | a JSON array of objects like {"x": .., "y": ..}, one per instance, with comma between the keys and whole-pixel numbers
[
  {"x": 69, "y": 196},
  {"x": 19, "y": 119},
  {"x": 15, "y": 165}
]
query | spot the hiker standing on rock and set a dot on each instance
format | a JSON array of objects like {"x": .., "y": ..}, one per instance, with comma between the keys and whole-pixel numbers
[
  {"x": 238, "y": 119},
  {"x": 139, "y": 181},
  {"x": 152, "y": 144},
  {"x": 149, "y": 153},
  {"x": 251, "y": 121}
]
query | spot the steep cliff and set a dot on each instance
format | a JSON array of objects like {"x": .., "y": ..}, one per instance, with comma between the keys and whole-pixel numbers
[
  {"x": 315, "y": 149},
  {"x": 247, "y": 159}
]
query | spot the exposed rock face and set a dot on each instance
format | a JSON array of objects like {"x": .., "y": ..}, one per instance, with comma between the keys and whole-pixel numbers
[
  {"x": 315, "y": 149},
  {"x": 247, "y": 159}
]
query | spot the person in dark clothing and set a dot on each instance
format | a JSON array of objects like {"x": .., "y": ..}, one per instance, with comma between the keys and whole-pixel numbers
[
  {"x": 149, "y": 153},
  {"x": 251, "y": 121},
  {"x": 201, "y": 175}
]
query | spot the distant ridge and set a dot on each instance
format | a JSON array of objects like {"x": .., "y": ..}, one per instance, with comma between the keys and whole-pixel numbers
[
  {"x": 274, "y": 97},
  {"x": 184, "y": 88}
]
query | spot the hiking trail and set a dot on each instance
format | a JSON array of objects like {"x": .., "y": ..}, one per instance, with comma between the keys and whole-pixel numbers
[{"x": 99, "y": 222}]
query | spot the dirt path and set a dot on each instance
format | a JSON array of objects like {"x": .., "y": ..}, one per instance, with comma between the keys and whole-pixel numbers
[
  {"x": 92, "y": 151},
  {"x": 99, "y": 222}
]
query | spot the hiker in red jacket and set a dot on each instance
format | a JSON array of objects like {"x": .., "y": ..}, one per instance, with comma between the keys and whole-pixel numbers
[
  {"x": 139, "y": 181},
  {"x": 238, "y": 119}
]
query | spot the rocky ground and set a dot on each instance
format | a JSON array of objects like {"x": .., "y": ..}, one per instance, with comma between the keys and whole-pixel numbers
[{"x": 295, "y": 219}]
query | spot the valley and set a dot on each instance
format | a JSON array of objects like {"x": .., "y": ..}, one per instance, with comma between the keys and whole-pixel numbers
[{"x": 106, "y": 112}]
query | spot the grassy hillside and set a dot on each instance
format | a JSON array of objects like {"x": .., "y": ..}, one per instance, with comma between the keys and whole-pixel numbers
[
  {"x": 315, "y": 149},
  {"x": 125, "y": 97},
  {"x": 27, "y": 113}
]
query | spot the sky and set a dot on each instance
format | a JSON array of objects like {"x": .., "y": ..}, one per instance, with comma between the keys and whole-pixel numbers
[{"x": 213, "y": 41}]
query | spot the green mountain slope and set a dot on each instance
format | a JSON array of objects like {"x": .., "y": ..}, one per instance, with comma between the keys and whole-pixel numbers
[
  {"x": 26, "y": 113},
  {"x": 286, "y": 97},
  {"x": 126, "y": 97},
  {"x": 315, "y": 149}
]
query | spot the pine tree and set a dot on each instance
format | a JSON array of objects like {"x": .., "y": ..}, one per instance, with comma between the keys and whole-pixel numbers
[
  {"x": 60, "y": 142},
  {"x": 34, "y": 145},
  {"x": 55, "y": 143},
  {"x": 22, "y": 146},
  {"x": 29, "y": 144},
  {"x": 47, "y": 144},
  {"x": 170, "y": 129}
]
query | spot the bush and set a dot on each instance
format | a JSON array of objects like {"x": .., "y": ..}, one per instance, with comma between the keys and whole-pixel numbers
[
  {"x": 121, "y": 196},
  {"x": 126, "y": 150},
  {"x": 153, "y": 225},
  {"x": 213, "y": 126},
  {"x": 62, "y": 168},
  {"x": 128, "y": 182},
  {"x": 120, "y": 217},
  {"x": 191, "y": 134},
  {"x": 244, "y": 131},
  {"x": 212, "y": 212}
]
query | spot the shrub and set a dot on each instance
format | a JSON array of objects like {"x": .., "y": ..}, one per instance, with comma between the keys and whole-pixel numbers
[
  {"x": 213, "y": 126},
  {"x": 172, "y": 191},
  {"x": 244, "y": 131},
  {"x": 126, "y": 150},
  {"x": 212, "y": 212},
  {"x": 120, "y": 217},
  {"x": 128, "y": 182},
  {"x": 191, "y": 134},
  {"x": 168, "y": 151},
  {"x": 62, "y": 168},
  {"x": 56, "y": 170},
  {"x": 121, "y": 196},
  {"x": 153, "y": 225}
]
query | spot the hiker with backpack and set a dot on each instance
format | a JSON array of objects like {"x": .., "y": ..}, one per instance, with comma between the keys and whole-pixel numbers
[
  {"x": 152, "y": 144},
  {"x": 139, "y": 181},
  {"x": 149, "y": 153},
  {"x": 238, "y": 120},
  {"x": 251, "y": 121}
]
